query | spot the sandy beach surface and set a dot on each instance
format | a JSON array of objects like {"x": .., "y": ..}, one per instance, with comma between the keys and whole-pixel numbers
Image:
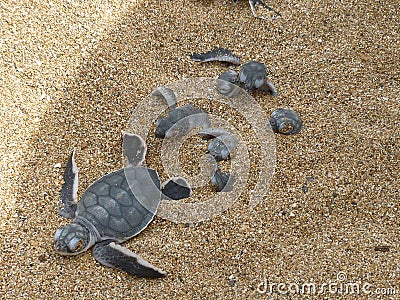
[{"x": 72, "y": 72}]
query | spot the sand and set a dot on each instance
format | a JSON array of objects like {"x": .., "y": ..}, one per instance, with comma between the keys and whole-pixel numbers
[{"x": 73, "y": 71}]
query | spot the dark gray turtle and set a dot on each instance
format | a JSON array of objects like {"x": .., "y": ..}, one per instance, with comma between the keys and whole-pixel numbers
[
  {"x": 285, "y": 121},
  {"x": 115, "y": 208},
  {"x": 253, "y": 75},
  {"x": 222, "y": 143},
  {"x": 253, "y": 4}
]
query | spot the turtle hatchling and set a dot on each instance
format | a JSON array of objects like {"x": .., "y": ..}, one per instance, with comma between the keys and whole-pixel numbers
[
  {"x": 222, "y": 181},
  {"x": 114, "y": 209}
]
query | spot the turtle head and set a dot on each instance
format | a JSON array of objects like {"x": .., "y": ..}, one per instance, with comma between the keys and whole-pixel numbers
[
  {"x": 162, "y": 126},
  {"x": 72, "y": 239}
]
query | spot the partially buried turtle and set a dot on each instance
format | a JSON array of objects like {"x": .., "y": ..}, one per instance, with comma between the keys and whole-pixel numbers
[
  {"x": 221, "y": 144},
  {"x": 115, "y": 208}
]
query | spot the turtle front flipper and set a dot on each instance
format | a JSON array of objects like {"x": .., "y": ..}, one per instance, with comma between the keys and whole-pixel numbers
[
  {"x": 69, "y": 190},
  {"x": 134, "y": 148},
  {"x": 115, "y": 256},
  {"x": 176, "y": 188}
]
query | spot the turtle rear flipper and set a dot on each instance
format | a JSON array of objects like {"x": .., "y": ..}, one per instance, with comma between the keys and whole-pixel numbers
[
  {"x": 69, "y": 190},
  {"x": 176, "y": 188},
  {"x": 115, "y": 256},
  {"x": 134, "y": 148}
]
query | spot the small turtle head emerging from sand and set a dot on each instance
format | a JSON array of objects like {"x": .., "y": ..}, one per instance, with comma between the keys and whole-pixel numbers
[
  {"x": 221, "y": 144},
  {"x": 115, "y": 208}
]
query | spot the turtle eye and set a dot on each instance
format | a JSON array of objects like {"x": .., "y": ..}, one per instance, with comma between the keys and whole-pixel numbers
[{"x": 75, "y": 245}]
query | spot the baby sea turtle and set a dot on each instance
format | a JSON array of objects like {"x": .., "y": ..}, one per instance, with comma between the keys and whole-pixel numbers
[
  {"x": 252, "y": 75},
  {"x": 222, "y": 181},
  {"x": 285, "y": 121},
  {"x": 115, "y": 208}
]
